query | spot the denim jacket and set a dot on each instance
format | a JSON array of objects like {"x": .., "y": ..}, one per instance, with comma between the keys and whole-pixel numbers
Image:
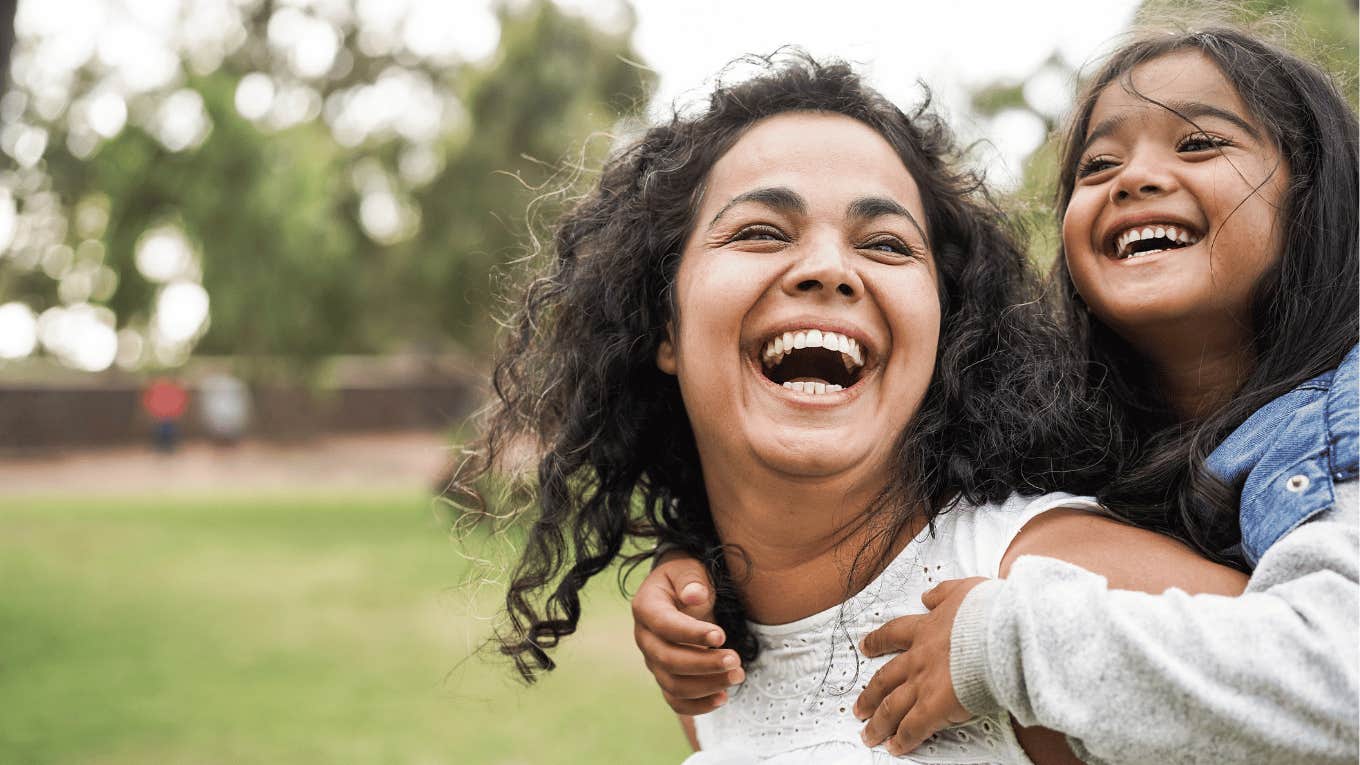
[{"x": 1287, "y": 455}]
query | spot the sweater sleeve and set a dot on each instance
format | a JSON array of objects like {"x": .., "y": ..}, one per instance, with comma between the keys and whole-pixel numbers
[{"x": 1268, "y": 676}]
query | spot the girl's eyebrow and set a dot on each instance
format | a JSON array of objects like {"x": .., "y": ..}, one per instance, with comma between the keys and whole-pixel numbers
[
  {"x": 1187, "y": 110},
  {"x": 1194, "y": 109}
]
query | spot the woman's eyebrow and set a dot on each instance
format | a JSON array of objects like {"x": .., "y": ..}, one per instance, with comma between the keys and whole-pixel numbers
[
  {"x": 865, "y": 208},
  {"x": 780, "y": 198}
]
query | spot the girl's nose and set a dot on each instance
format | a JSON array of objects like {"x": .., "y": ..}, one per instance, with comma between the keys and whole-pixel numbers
[
  {"x": 1142, "y": 178},
  {"x": 824, "y": 267}
]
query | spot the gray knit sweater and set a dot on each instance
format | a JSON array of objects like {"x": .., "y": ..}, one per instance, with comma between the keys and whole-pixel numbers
[{"x": 1266, "y": 677}]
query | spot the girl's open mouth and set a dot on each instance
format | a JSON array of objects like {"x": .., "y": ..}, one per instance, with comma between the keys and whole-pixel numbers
[
  {"x": 812, "y": 361},
  {"x": 1138, "y": 241}
]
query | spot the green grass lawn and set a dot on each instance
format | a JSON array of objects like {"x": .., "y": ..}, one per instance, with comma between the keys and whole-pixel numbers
[{"x": 288, "y": 629}]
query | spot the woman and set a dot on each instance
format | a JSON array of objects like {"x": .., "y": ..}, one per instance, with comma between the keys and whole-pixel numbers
[{"x": 653, "y": 365}]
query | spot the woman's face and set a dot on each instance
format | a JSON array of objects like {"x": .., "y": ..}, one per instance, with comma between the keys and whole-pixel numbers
[
  {"x": 807, "y": 310},
  {"x": 1171, "y": 224}
]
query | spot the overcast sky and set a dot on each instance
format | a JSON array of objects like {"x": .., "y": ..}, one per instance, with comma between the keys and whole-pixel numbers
[{"x": 953, "y": 45}]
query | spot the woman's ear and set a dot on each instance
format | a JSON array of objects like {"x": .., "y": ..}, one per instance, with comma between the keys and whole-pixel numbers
[{"x": 665, "y": 352}]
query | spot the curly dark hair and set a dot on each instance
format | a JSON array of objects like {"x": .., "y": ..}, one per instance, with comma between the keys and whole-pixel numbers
[
  {"x": 1304, "y": 309},
  {"x": 616, "y": 458}
]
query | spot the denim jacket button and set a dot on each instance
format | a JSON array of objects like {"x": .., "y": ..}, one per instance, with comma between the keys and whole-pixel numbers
[{"x": 1297, "y": 483}]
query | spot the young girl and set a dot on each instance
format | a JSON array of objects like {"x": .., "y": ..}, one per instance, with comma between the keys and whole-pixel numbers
[{"x": 1208, "y": 203}]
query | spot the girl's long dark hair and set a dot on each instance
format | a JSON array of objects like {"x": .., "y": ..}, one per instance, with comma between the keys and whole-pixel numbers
[
  {"x": 616, "y": 459},
  {"x": 1304, "y": 309}
]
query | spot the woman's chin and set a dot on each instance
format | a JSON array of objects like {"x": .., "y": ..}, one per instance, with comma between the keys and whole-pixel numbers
[{"x": 815, "y": 456}]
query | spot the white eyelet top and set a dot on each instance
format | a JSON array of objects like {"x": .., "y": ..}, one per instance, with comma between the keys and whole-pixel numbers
[{"x": 797, "y": 703}]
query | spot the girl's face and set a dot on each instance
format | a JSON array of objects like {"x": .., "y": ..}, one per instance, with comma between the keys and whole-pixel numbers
[
  {"x": 1171, "y": 224},
  {"x": 807, "y": 311}
]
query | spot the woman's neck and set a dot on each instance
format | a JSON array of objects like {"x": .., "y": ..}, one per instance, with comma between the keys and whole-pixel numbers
[{"x": 797, "y": 547}]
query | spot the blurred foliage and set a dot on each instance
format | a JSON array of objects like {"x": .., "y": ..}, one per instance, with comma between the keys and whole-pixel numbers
[
  {"x": 276, "y": 214},
  {"x": 1326, "y": 32},
  {"x": 310, "y": 242}
]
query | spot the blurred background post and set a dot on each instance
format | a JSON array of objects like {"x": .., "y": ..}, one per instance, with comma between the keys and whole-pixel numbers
[{"x": 276, "y": 234}]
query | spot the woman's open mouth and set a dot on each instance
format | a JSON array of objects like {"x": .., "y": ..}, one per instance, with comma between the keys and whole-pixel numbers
[{"x": 813, "y": 361}]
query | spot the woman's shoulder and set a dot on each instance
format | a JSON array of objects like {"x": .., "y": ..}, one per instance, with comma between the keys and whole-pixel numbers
[
  {"x": 1016, "y": 508},
  {"x": 976, "y": 536}
]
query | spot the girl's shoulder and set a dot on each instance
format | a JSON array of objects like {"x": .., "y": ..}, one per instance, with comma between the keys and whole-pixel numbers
[{"x": 1285, "y": 458}]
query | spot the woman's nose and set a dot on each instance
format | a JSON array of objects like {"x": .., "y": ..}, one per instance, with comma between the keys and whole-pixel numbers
[{"x": 824, "y": 267}]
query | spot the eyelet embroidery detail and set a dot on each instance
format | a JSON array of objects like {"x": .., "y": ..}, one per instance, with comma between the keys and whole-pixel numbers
[{"x": 799, "y": 694}]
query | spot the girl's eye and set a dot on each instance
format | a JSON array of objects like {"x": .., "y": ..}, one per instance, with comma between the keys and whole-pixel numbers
[
  {"x": 759, "y": 233},
  {"x": 1094, "y": 165},
  {"x": 1201, "y": 142}
]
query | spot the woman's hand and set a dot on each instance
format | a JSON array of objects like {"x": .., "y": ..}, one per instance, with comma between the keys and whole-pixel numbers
[
  {"x": 673, "y": 627},
  {"x": 912, "y": 696}
]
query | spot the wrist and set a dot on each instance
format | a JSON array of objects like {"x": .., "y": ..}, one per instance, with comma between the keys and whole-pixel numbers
[{"x": 968, "y": 650}]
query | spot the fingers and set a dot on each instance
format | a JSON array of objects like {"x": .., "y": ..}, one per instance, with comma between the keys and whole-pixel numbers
[
  {"x": 894, "y": 636},
  {"x": 889, "y": 715},
  {"x": 935, "y": 595},
  {"x": 675, "y": 659},
  {"x": 918, "y": 725},
  {"x": 703, "y": 686},
  {"x": 888, "y": 678},
  {"x": 695, "y": 706},
  {"x": 944, "y": 590},
  {"x": 689, "y": 579},
  {"x": 655, "y": 610}
]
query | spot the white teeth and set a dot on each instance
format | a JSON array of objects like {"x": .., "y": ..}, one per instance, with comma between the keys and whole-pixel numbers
[
  {"x": 852, "y": 355},
  {"x": 812, "y": 388},
  {"x": 1174, "y": 233}
]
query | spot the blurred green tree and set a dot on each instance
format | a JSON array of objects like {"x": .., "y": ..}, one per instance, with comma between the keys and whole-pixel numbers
[{"x": 317, "y": 219}]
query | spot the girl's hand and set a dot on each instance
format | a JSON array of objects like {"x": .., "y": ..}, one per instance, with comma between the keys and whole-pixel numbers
[
  {"x": 673, "y": 627},
  {"x": 912, "y": 696}
]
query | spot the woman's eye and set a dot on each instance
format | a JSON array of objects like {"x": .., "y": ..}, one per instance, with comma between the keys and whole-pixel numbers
[
  {"x": 759, "y": 234},
  {"x": 1094, "y": 165},
  {"x": 1201, "y": 142},
  {"x": 890, "y": 245}
]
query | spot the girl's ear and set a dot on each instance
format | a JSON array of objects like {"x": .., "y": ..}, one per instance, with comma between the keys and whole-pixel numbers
[{"x": 665, "y": 352}]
